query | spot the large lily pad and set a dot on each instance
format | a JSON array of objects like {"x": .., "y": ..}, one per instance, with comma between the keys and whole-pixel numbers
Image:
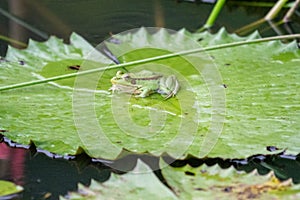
[
  {"x": 260, "y": 81},
  {"x": 140, "y": 183},
  {"x": 189, "y": 183}
]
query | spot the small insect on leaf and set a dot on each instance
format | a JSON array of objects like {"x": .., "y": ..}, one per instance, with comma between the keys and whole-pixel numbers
[{"x": 74, "y": 67}]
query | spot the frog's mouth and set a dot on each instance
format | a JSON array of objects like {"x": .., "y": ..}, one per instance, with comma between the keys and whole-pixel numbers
[
  {"x": 113, "y": 81},
  {"x": 125, "y": 88}
]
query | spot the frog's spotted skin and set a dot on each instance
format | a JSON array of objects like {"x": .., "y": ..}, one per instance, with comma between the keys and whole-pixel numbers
[{"x": 144, "y": 83}]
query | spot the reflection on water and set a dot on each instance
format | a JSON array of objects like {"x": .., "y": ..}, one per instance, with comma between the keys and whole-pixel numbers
[
  {"x": 12, "y": 164},
  {"x": 97, "y": 18},
  {"x": 45, "y": 178}
]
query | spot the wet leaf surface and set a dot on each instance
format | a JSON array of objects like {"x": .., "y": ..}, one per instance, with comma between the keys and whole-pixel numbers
[
  {"x": 140, "y": 183},
  {"x": 261, "y": 98},
  {"x": 215, "y": 183}
]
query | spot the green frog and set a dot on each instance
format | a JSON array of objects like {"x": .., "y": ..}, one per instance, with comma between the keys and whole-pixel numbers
[{"x": 144, "y": 83}]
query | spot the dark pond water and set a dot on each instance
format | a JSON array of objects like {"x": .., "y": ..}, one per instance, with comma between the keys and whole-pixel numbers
[
  {"x": 46, "y": 178},
  {"x": 95, "y": 19}
]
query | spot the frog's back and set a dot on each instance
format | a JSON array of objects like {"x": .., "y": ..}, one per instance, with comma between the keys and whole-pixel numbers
[{"x": 144, "y": 74}]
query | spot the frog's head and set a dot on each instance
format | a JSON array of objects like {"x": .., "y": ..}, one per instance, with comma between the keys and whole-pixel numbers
[{"x": 122, "y": 78}]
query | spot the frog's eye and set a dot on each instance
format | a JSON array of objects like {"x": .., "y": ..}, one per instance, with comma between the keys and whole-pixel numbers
[{"x": 119, "y": 74}]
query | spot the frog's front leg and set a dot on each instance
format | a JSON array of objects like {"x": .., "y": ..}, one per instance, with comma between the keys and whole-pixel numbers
[{"x": 145, "y": 92}]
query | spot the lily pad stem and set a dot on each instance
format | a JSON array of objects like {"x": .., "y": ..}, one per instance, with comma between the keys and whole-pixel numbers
[{"x": 213, "y": 15}]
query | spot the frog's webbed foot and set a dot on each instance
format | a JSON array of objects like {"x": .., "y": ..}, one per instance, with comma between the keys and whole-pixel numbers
[{"x": 171, "y": 94}]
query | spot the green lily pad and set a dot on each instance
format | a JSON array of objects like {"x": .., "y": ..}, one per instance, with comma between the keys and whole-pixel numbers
[
  {"x": 260, "y": 82},
  {"x": 140, "y": 183},
  {"x": 9, "y": 188},
  {"x": 189, "y": 183},
  {"x": 215, "y": 183}
]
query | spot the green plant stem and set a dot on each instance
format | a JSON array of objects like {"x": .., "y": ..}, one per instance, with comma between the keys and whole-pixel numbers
[
  {"x": 187, "y": 52},
  {"x": 291, "y": 11},
  {"x": 213, "y": 15},
  {"x": 7, "y": 39},
  {"x": 24, "y": 24},
  {"x": 275, "y": 27},
  {"x": 250, "y": 27},
  {"x": 276, "y": 9}
]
